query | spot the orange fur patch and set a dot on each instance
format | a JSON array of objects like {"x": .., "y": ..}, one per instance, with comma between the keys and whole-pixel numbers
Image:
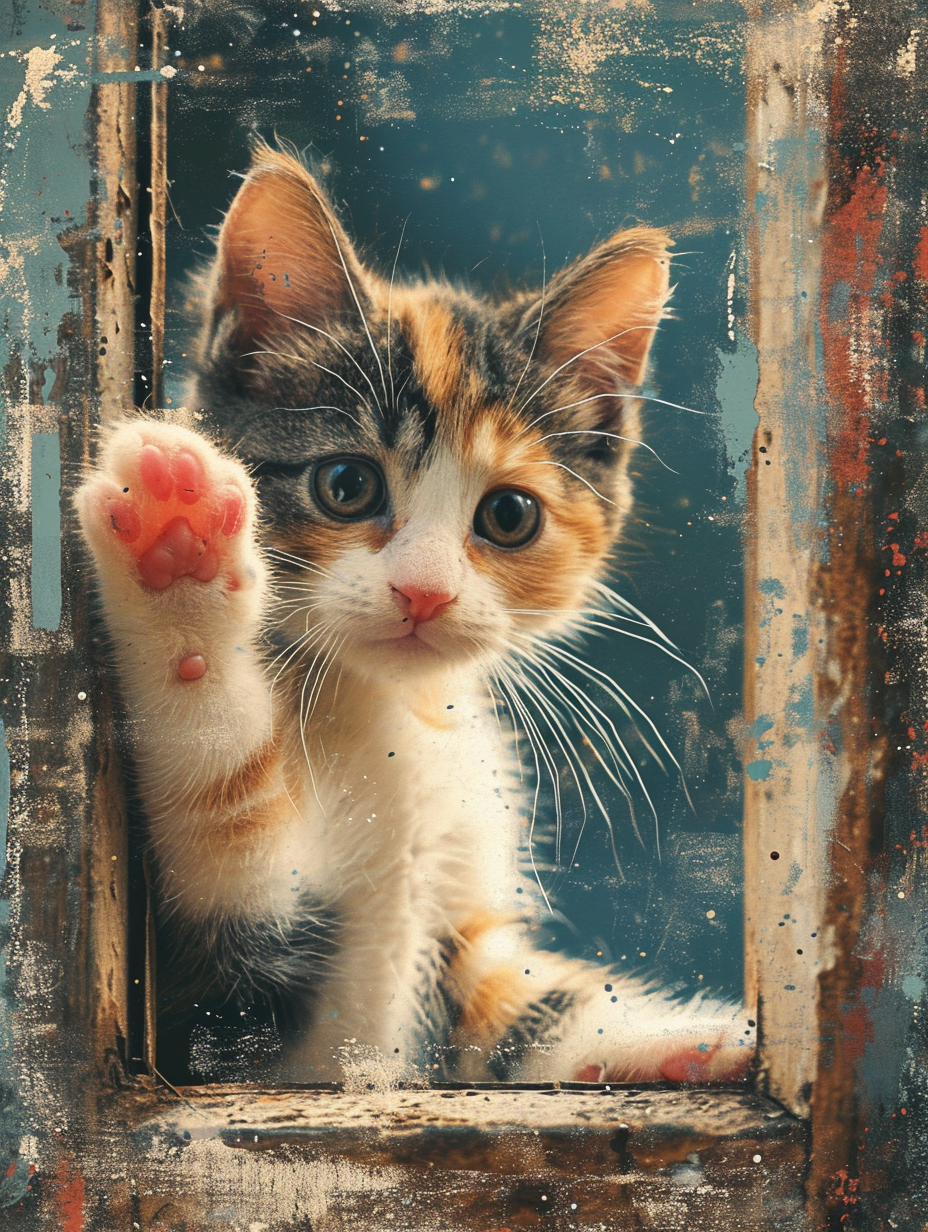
[
  {"x": 436, "y": 341},
  {"x": 230, "y": 791},
  {"x": 493, "y": 1005},
  {"x": 241, "y": 827},
  {"x": 575, "y": 536},
  {"x": 477, "y": 926}
]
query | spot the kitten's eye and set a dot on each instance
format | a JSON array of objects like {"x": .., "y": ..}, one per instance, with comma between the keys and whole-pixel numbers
[
  {"x": 509, "y": 519},
  {"x": 349, "y": 488}
]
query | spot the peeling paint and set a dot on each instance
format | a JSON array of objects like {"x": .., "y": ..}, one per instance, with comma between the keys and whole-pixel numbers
[
  {"x": 40, "y": 65},
  {"x": 735, "y": 389}
]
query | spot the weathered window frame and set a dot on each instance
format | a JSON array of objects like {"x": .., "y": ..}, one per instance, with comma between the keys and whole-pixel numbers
[{"x": 135, "y": 1152}]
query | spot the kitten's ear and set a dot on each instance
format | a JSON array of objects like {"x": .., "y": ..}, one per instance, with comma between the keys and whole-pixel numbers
[
  {"x": 282, "y": 253},
  {"x": 600, "y": 314}
]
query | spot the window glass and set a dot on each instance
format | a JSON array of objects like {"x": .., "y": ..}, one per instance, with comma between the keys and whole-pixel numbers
[{"x": 502, "y": 141}]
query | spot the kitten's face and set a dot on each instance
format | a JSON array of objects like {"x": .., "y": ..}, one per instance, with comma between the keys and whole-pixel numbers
[{"x": 441, "y": 478}]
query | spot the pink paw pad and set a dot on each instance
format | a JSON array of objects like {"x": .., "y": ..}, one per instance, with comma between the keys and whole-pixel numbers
[
  {"x": 178, "y": 552},
  {"x": 124, "y": 519},
  {"x": 175, "y": 518},
  {"x": 193, "y": 667},
  {"x": 700, "y": 1065}
]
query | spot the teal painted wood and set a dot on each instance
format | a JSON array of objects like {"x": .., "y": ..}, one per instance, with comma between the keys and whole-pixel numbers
[{"x": 58, "y": 1000}]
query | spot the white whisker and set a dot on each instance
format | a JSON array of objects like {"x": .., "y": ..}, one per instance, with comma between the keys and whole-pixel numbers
[
  {"x": 301, "y": 359},
  {"x": 541, "y": 313},
  {"x": 614, "y": 436},
  {"x": 390, "y": 313},
  {"x": 622, "y": 699},
  {"x": 592, "y": 711},
  {"x": 580, "y": 354},
  {"x": 341, "y": 411},
  {"x": 638, "y": 637},
  {"x": 576, "y": 476},
  {"x": 568, "y": 406},
  {"x": 563, "y": 743},
  {"x": 357, "y": 302},
  {"x": 514, "y": 704},
  {"x": 299, "y": 561},
  {"x": 305, "y": 711},
  {"x": 341, "y": 346},
  {"x": 623, "y": 603}
]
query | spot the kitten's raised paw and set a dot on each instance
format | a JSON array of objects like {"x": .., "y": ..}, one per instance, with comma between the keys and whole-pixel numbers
[{"x": 171, "y": 501}]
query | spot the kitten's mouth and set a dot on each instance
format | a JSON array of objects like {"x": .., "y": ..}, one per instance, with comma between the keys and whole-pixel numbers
[{"x": 410, "y": 641}]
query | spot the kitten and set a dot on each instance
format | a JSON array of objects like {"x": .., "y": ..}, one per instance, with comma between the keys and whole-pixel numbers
[{"x": 401, "y": 495}]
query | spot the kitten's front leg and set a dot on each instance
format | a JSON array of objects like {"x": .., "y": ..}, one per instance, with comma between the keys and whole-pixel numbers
[{"x": 170, "y": 523}]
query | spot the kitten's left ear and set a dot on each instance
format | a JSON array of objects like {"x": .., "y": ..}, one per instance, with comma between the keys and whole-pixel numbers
[{"x": 600, "y": 314}]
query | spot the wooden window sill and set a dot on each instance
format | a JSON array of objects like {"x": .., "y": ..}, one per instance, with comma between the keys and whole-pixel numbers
[{"x": 479, "y": 1157}]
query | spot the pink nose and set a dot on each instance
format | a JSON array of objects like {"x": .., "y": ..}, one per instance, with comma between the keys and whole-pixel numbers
[{"x": 421, "y": 605}]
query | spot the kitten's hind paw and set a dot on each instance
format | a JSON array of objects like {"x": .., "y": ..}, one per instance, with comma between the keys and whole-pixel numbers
[
  {"x": 688, "y": 1049},
  {"x": 719, "y": 1062},
  {"x": 168, "y": 499}
]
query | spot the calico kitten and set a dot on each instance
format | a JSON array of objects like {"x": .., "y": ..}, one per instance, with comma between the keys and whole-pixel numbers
[{"x": 401, "y": 497}]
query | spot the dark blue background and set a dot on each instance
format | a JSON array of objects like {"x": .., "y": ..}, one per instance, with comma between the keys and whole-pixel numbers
[{"x": 500, "y": 137}]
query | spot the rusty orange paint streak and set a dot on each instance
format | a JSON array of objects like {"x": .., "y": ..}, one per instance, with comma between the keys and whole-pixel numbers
[
  {"x": 920, "y": 263},
  {"x": 850, "y": 258},
  {"x": 69, "y": 1198}
]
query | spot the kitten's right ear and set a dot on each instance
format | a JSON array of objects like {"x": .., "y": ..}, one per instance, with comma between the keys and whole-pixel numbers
[{"x": 282, "y": 256}]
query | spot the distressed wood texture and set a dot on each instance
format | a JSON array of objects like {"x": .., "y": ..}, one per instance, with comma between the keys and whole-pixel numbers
[
  {"x": 837, "y": 690},
  {"x": 870, "y": 1114},
  {"x": 792, "y": 786},
  {"x": 470, "y": 1160},
  {"x": 69, "y": 203}
]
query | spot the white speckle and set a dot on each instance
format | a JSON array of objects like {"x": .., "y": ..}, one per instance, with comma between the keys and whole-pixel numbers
[
  {"x": 710, "y": 915},
  {"x": 201, "y": 68},
  {"x": 169, "y": 71},
  {"x": 757, "y": 1159},
  {"x": 82, "y": 696},
  {"x": 41, "y": 64},
  {"x": 901, "y": 894}
]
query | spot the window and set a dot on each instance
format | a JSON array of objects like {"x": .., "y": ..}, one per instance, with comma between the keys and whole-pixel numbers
[{"x": 832, "y": 267}]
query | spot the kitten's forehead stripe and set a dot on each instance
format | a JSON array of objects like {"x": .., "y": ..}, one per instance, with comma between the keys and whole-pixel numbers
[{"x": 445, "y": 340}]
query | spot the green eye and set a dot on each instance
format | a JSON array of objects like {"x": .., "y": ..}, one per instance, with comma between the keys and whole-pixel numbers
[
  {"x": 508, "y": 519},
  {"x": 349, "y": 489}
]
